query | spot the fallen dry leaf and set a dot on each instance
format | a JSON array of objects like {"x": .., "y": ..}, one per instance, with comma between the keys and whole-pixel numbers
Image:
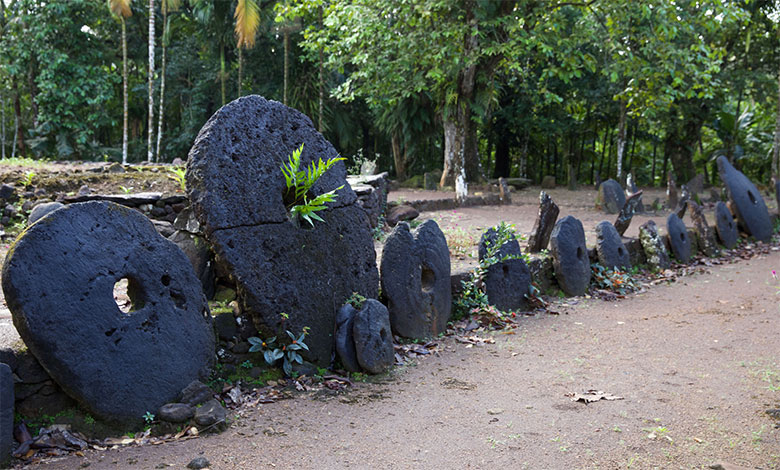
[{"x": 592, "y": 395}]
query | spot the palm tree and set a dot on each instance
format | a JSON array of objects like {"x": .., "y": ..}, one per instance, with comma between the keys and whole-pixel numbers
[
  {"x": 247, "y": 17},
  {"x": 150, "y": 126},
  {"x": 121, "y": 8},
  {"x": 166, "y": 6},
  {"x": 217, "y": 25}
]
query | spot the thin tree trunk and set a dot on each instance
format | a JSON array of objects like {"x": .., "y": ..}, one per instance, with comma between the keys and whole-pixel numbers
[
  {"x": 222, "y": 74},
  {"x": 322, "y": 84},
  {"x": 18, "y": 124},
  {"x": 776, "y": 150},
  {"x": 733, "y": 144},
  {"x": 631, "y": 153},
  {"x": 603, "y": 153},
  {"x": 16, "y": 134},
  {"x": 2, "y": 124},
  {"x": 124, "y": 90},
  {"x": 398, "y": 157},
  {"x": 31, "y": 73},
  {"x": 621, "y": 140},
  {"x": 286, "y": 64},
  {"x": 162, "y": 84},
  {"x": 240, "y": 69},
  {"x": 150, "y": 126},
  {"x": 524, "y": 156},
  {"x": 652, "y": 174}
]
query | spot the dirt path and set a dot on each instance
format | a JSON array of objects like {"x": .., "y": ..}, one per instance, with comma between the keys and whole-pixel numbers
[{"x": 697, "y": 363}]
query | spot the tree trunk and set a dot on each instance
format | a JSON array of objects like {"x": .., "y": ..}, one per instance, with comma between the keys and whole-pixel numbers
[
  {"x": 2, "y": 125},
  {"x": 502, "y": 158},
  {"x": 621, "y": 140},
  {"x": 652, "y": 174},
  {"x": 322, "y": 84},
  {"x": 222, "y": 73},
  {"x": 124, "y": 91},
  {"x": 286, "y": 64},
  {"x": 19, "y": 132},
  {"x": 731, "y": 147},
  {"x": 524, "y": 156},
  {"x": 240, "y": 69},
  {"x": 32, "y": 71},
  {"x": 162, "y": 85},
  {"x": 776, "y": 150},
  {"x": 150, "y": 125},
  {"x": 398, "y": 157}
]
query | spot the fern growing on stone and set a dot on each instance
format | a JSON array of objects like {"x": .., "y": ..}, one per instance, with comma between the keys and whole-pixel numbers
[{"x": 298, "y": 183}]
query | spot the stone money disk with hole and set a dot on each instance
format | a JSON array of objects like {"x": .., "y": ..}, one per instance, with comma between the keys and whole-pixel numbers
[
  {"x": 725, "y": 226},
  {"x": 570, "y": 256},
  {"x": 235, "y": 182},
  {"x": 58, "y": 280},
  {"x": 750, "y": 208},
  {"x": 507, "y": 282}
]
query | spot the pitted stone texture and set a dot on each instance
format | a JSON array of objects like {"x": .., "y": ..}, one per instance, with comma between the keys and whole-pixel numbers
[
  {"x": 345, "y": 341},
  {"x": 506, "y": 282},
  {"x": 570, "y": 255},
  {"x": 678, "y": 238},
  {"x": 198, "y": 252},
  {"x": 236, "y": 186},
  {"x": 42, "y": 210},
  {"x": 373, "y": 337},
  {"x": 237, "y": 158},
  {"x": 415, "y": 276},
  {"x": 611, "y": 196},
  {"x": 749, "y": 206},
  {"x": 545, "y": 221},
  {"x": 725, "y": 225},
  {"x": 58, "y": 280},
  {"x": 609, "y": 246},
  {"x": 6, "y": 413},
  {"x": 653, "y": 244},
  {"x": 631, "y": 206},
  {"x": 705, "y": 235}
]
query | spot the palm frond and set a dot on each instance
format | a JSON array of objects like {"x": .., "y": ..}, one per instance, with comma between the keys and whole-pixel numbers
[
  {"x": 120, "y": 8},
  {"x": 247, "y": 17}
]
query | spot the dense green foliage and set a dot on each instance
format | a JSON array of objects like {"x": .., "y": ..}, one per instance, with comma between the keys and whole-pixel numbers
[{"x": 478, "y": 87}]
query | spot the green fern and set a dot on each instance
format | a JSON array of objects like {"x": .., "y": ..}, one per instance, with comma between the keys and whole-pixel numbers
[{"x": 300, "y": 181}]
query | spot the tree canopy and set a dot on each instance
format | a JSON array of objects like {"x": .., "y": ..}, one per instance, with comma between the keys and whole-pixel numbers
[{"x": 476, "y": 88}]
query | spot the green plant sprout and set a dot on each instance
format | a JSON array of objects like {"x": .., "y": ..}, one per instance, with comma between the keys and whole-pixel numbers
[
  {"x": 28, "y": 178},
  {"x": 177, "y": 174},
  {"x": 299, "y": 182},
  {"x": 148, "y": 417},
  {"x": 289, "y": 353}
]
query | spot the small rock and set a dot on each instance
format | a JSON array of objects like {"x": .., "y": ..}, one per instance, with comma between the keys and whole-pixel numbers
[
  {"x": 611, "y": 197},
  {"x": 27, "y": 206},
  {"x": 40, "y": 192},
  {"x": 725, "y": 226},
  {"x": 609, "y": 246},
  {"x": 8, "y": 193},
  {"x": 548, "y": 182},
  {"x": 404, "y": 212},
  {"x": 176, "y": 412},
  {"x": 115, "y": 168},
  {"x": 84, "y": 191},
  {"x": 224, "y": 294},
  {"x": 212, "y": 413},
  {"x": 225, "y": 324},
  {"x": 653, "y": 245},
  {"x": 198, "y": 463},
  {"x": 345, "y": 341},
  {"x": 196, "y": 393},
  {"x": 373, "y": 337},
  {"x": 242, "y": 347}
]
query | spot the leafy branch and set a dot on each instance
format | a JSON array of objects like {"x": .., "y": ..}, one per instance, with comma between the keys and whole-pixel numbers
[{"x": 299, "y": 181}]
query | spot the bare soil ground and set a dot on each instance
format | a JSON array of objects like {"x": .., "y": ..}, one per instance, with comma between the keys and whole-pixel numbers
[{"x": 697, "y": 363}]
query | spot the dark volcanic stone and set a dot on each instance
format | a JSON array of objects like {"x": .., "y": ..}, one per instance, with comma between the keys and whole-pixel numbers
[
  {"x": 609, "y": 246},
  {"x": 225, "y": 326},
  {"x": 199, "y": 463},
  {"x": 545, "y": 221},
  {"x": 725, "y": 226},
  {"x": 653, "y": 244},
  {"x": 401, "y": 213},
  {"x": 211, "y": 415},
  {"x": 345, "y": 341},
  {"x": 678, "y": 238},
  {"x": 198, "y": 252},
  {"x": 176, "y": 412},
  {"x": 196, "y": 393},
  {"x": 696, "y": 184},
  {"x": 373, "y": 337},
  {"x": 749, "y": 206},
  {"x": 506, "y": 282},
  {"x": 611, "y": 196},
  {"x": 415, "y": 276},
  {"x": 6, "y": 413},
  {"x": 236, "y": 187},
  {"x": 631, "y": 206},
  {"x": 43, "y": 209},
  {"x": 8, "y": 193},
  {"x": 570, "y": 255},
  {"x": 58, "y": 280},
  {"x": 705, "y": 235}
]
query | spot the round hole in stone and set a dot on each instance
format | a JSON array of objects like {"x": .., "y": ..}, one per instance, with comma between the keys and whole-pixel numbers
[
  {"x": 505, "y": 269},
  {"x": 580, "y": 252},
  {"x": 682, "y": 236},
  {"x": 752, "y": 197},
  {"x": 620, "y": 250},
  {"x": 427, "y": 278},
  {"x": 128, "y": 295},
  {"x": 383, "y": 334},
  {"x": 166, "y": 280}
]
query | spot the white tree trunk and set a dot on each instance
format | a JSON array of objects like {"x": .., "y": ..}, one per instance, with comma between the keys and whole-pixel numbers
[
  {"x": 162, "y": 90},
  {"x": 150, "y": 125},
  {"x": 124, "y": 91},
  {"x": 455, "y": 158},
  {"x": 621, "y": 140},
  {"x": 16, "y": 135}
]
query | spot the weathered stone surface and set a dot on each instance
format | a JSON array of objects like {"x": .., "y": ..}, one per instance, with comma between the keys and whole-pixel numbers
[
  {"x": 506, "y": 282},
  {"x": 373, "y": 337},
  {"x": 725, "y": 226},
  {"x": 542, "y": 272},
  {"x": 236, "y": 187},
  {"x": 571, "y": 182},
  {"x": 632, "y": 188},
  {"x": 678, "y": 238},
  {"x": 611, "y": 197},
  {"x": 430, "y": 182},
  {"x": 371, "y": 194},
  {"x": 8, "y": 193},
  {"x": 345, "y": 340},
  {"x": 696, "y": 184},
  {"x": 705, "y": 235},
  {"x": 543, "y": 226},
  {"x": 212, "y": 415},
  {"x": 749, "y": 206},
  {"x": 401, "y": 213},
  {"x": 6, "y": 413},
  {"x": 570, "y": 255},
  {"x": 58, "y": 281},
  {"x": 503, "y": 191},
  {"x": 548, "y": 182},
  {"x": 199, "y": 463},
  {"x": 777, "y": 195},
  {"x": 609, "y": 246},
  {"x": 685, "y": 196},
  {"x": 671, "y": 191},
  {"x": 627, "y": 212},
  {"x": 415, "y": 277},
  {"x": 176, "y": 412},
  {"x": 196, "y": 393},
  {"x": 43, "y": 209},
  {"x": 198, "y": 252},
  {"x": 636, "y": 253},
  {"x": 653, "y": 244}
]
